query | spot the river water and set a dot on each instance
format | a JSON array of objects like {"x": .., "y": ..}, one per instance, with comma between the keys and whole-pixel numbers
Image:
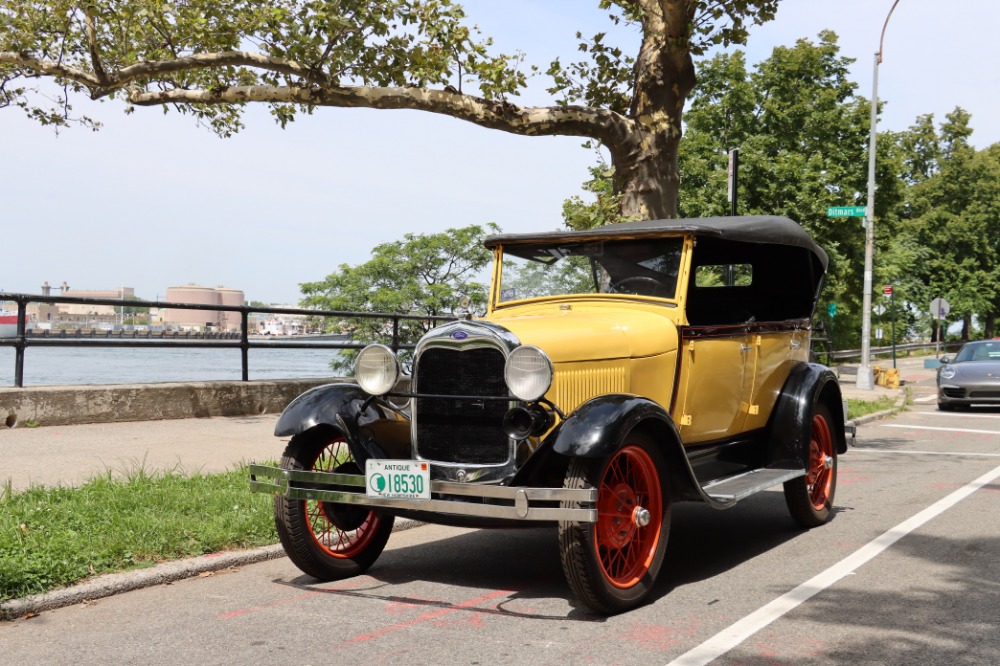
[{"x": 47, "y": 366}]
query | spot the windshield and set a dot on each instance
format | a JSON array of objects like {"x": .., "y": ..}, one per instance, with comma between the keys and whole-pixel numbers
[
  {"x": 982, "y": 351},
  {"x": 641, "y": 267}
]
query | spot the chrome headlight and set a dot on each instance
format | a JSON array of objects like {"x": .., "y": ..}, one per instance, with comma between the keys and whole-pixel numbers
[
  {"x": 948, "y": 371},
  {"x": 528, "y": 373},
  {"x": 377, "y": 369}
]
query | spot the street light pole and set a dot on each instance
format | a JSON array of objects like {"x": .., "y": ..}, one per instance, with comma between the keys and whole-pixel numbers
[{"x": 864, "y": 379}]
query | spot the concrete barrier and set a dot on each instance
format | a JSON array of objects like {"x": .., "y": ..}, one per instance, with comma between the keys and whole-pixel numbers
[{"x": 69, "y": 405}]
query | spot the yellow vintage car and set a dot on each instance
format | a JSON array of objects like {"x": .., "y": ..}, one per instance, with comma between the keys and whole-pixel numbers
[{"x": 617, "y": 372}]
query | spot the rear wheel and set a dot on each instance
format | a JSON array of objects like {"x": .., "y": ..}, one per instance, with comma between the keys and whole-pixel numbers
[
  {"x": 326, "y": 540},
  {"x": 810, "y": 497},
  {"x": 612, "y": 565}
]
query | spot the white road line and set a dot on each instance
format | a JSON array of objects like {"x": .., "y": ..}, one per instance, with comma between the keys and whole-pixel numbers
[
  {"x": 728, "y": 638},
  {"x": 957, "y": 454},
  {"x": 929, "y": 398},
  {"x": 964, "y": 415},
  {"x": 916, "y": 427}
]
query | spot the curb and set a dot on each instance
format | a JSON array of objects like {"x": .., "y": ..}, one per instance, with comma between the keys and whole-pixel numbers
[
  {"x": 875, "y": 416},
  {"x": 161, "y": 574}
]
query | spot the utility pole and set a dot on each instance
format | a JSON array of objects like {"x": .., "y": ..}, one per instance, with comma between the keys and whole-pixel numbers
[{"x": 865, "y": 379}]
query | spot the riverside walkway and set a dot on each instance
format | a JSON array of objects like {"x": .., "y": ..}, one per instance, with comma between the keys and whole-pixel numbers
[{"x": 70, "y": 455}]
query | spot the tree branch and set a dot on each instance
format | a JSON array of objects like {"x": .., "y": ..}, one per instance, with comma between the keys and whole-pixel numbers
[
  {"x": 49, "y": 68},
  {"x": 601, "y": 124},
  {"x": 95, "y": 56}
]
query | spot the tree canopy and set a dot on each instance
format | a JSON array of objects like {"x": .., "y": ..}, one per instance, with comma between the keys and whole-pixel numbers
[
  {"x": 422, "y": 274},
  {"x": 210, "y": 58}
]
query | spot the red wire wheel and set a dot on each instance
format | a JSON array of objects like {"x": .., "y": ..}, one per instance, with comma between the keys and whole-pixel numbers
[
  {"x": 810, "y": 497},
  {"x": 612, "y": 564},
  {"x": 327, "y": 540},
  {"x": 630, "y": 484},
  {"x": 340, "y": 530},
  {"x": 819, "y": 479}
]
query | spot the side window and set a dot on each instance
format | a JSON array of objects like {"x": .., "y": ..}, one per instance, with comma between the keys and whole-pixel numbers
[{"x": 724, "y": 275}]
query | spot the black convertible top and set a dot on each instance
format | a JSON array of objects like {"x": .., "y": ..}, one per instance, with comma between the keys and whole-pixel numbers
[{"x": 765, "y": 229}]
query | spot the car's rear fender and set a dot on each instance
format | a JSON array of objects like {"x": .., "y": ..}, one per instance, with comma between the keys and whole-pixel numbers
[
  {"x": 371, "y": 426},
  {"x": 790, "y": 426}
]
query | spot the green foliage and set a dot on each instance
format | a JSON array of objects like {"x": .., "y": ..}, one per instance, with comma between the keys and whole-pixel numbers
[
  {"x": 803, "y": 137},
  {"x": 423, "y": 274},
  {"x": 949, "y": 242},
  {"x": 606, "y": 207},
  {"x": 52, "y": 537}
]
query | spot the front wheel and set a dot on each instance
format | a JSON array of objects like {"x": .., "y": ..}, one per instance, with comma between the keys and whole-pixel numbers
[
  {"x": 810, "y": 497},
  {"x": 325, "y": 540},
  {"x": 612, "y": 565}
]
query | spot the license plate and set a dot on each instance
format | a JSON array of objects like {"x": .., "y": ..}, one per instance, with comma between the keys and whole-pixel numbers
[{"x": 398, "y": 479}]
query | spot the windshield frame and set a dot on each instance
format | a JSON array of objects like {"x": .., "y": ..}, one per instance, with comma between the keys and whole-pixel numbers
[{"x": 501, "y": 250}]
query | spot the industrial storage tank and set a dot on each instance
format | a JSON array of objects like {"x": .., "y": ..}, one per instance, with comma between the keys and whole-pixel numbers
[
  {"x": 192, "y": 319},
  {"x": 230, "y": 321}
]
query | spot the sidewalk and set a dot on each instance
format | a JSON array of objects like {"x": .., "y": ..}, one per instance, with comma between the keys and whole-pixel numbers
[{"x": 69, "y": 455}]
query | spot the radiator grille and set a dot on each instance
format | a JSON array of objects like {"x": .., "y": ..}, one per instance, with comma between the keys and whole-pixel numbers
[
  {"x": 461, "y": 430},
  {"x": 953, "y": 392},
  {"x": 984, "y": 394}
]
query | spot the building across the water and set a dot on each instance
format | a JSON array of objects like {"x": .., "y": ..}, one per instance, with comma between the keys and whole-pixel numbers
[
  {"x": 42, "y": 313},
  {"x": 186, "y": 319}
]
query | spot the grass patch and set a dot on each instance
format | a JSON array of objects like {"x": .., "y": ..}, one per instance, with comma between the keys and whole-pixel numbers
[
  {"x": 53, "y": 537},
  {"x": 857, "y": 408}
]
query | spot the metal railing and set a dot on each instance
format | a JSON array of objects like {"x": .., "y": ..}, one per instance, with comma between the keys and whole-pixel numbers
[{"x": 22, "y": 340}]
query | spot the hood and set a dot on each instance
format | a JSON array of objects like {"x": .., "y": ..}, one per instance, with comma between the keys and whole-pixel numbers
[{"x": 567, "y": 336}]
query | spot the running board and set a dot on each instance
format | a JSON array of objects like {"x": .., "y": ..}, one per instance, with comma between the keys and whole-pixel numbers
[{"x": 735, "y": 488}]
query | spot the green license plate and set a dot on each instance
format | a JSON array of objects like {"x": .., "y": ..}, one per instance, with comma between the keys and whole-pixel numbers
[{"x": 398, "y": 479}]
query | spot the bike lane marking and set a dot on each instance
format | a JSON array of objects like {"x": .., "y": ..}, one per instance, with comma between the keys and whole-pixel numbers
[{"x": 732, "y": 636}]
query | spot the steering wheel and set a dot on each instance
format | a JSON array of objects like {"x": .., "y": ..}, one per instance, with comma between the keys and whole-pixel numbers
[{"x": 657, "y": 285}]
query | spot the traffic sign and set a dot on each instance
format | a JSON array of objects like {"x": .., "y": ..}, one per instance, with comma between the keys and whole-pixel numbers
[
  {"x": 940, "y": 308},
  {"x": 845, "y": 211},
  {"x": 887, "y": 290}
]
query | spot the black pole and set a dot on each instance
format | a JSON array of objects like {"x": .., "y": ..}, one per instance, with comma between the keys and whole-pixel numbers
[
  {"x": 22, "y": 307},
  {"x": 734, "y": 177},
  {"x": 245, "y": 345}
]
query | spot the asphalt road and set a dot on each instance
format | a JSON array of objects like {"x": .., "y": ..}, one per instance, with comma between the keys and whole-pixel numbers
[{"x": 906, "y": 573}]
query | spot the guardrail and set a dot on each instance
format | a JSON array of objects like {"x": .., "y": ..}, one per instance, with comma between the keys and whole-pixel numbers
[
  {"x": 22, "y": 340},
  {"x": 879, "y": 351}
]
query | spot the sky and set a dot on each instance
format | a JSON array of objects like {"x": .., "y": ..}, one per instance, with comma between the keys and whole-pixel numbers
[{"x": 153, "y": 201}]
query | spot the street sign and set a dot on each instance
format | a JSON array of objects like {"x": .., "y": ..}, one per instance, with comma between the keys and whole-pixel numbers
[
  {"x": 832, "y": 309},
  {"x": 887, "y": 290},
  {"x": 940, "y": 308},
  {"x": 845, "y": 211}
]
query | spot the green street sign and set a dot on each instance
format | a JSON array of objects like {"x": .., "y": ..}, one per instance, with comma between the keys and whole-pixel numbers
[
  {"x": 845, "y": 211},
  {"x": 832, "y": 309}
]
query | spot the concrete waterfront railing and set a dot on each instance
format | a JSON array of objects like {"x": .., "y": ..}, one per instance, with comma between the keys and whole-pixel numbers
[{"x": 69, "y": 405}]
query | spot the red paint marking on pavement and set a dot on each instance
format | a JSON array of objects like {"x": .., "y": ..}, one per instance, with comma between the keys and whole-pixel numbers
[
  {"x": 659, "y": 638},
  {"x": 288, "y": 600},
  {"x": 849, "y": 477},
  {"x": 426, "y": 617}
]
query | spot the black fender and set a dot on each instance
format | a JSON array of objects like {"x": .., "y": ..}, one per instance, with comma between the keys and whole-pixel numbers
[
  {"x": 790, "y": 426},
  {"x": 599, "y": 427},
  {"x": 379, "y": 430}
]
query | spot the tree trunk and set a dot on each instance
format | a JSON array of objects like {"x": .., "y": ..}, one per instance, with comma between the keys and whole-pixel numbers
[
  {"x": 990, "y": 326},
  {"x": 646, "y": 175}
]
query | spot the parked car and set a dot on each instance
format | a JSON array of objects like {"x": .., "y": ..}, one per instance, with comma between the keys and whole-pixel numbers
[
  {"x": 972, "y": 377},
  {"x": 617, "y": 372}
]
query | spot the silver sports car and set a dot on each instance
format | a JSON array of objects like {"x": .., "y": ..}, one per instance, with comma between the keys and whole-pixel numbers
[{"x": 972, "y": 377}]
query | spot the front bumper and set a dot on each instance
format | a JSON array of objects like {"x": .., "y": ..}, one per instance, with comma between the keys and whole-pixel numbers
[
  {"x": 969, "y": 394},
  {"x": 458, "y": 499}
]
